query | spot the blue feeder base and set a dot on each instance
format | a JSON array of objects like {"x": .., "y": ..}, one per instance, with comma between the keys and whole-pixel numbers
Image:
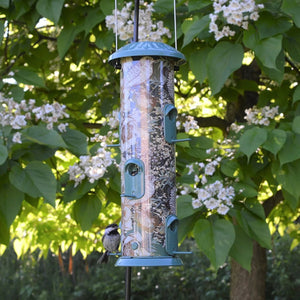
[{"x": 148, "y": 261}]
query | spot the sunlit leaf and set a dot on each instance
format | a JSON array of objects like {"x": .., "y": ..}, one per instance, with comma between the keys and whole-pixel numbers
[
  {"x": 27, "y": 76},
  {"x": 50, "y": 9}
]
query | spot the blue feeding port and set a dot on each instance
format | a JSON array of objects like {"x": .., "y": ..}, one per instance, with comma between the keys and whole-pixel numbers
[{"x": 147, "y": 142}]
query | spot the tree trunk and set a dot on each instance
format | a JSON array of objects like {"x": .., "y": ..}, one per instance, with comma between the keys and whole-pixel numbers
[{"x": 246, "y": 285}]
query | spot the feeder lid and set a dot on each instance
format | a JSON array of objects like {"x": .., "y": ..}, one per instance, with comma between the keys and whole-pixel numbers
[{"x": 137, "y": 49}]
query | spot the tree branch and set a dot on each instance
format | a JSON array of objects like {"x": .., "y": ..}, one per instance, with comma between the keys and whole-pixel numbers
[
  {"x": 213, "y": 122},
  {"x": 271, "y": 202}
]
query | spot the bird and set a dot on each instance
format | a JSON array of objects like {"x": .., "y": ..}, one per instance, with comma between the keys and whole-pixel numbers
[{"x": 110, "y": 241}]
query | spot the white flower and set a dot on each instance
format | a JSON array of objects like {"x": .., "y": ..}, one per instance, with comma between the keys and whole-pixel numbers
[
  {"x": 18, "y": 122},
  {"x": 223, "y": 209},
  {"x": 196, "y": 203},
  {"x": 17, "y": 138},
  {"x": 209, "y": 169},
  {"x": 211, "y": 203},
  {"x": 233, "y": 12},
  {"x": 147, "y": 29}
]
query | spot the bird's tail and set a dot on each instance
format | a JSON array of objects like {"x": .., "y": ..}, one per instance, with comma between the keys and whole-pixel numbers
[{"x": 104, "y": 258}]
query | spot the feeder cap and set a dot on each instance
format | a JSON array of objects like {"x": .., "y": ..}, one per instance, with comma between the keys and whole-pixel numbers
[{"x": 138, "y": 49}]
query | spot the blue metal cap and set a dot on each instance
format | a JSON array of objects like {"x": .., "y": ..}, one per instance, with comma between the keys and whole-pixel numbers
[{"x": 147, "y": 48}]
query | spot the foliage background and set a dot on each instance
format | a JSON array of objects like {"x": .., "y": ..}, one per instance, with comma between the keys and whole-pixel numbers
[{"x": 65, "y": 61}]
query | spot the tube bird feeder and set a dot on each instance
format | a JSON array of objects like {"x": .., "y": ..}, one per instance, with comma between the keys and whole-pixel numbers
[{"x": 147, "y": 139}]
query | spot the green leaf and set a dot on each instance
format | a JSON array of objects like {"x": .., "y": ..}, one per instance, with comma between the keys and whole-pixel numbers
[
  {"x": 215, "y": 239},
  {"x": 267, "y": 57},
  {"x": 255, "y": 227},
  {"x": 20, "y": 179},
  {"x": 75, "y": 141},
  {"x": 262, "y": 47},
  {"x": 104, "y": 40},
  {"x": 27, "y": 76},
  {"x": 292, "y": 8},
  {"x": 186, "y": 225},
  {"x": 74, "y": 193},
  {"x": 198, "y": 4},
  {"x": 252, "y": 139},
  {"x": 245, "y": 190},
  {"x": 4, "y": 230},
  {"x": 288, "y": 176},
  {"x": 275, "y": 141},
  {"x": 3, "y": 154},
  {"x": 259, "y": 229},
  {"x": 184, "y": 206},
  {"x": 197, "y": 62},
  {"x": 1, "y": 30},
  {"x": 107, "y": 6},
  {"x": 194, "y": 28},
  {"x": 50, "y": 9},
  {"x": 86, "y": 211},
  {"x": 37, "y": 180},
  {"x": 268, "y": 25},
  {"x": 296, "y": 124},
  {"x": 4, "y": 3},
  {"x": 291, "y": 42},
  {"x": 290, "y": 151},
  {"x": 201, "y": 142},
  {"x": 296, "y": 95},
  {"x": 43, "y": 136},
  {"x": 291, "y": 200},
  {"x": 94, "y": 17},
  {"x": 11, "y": 200},
  {"x": 255, "y": 207},
  {"x": 230, "y": 168},
  {"x": 224, "y": 59},
  {"x": 163, "y": 6},
  {"x": 66, "y": 38},
  {"x": 242, "y": 249}
]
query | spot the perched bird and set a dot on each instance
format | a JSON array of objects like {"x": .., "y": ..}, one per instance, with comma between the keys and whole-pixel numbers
[{"x": 111, "y": 241}]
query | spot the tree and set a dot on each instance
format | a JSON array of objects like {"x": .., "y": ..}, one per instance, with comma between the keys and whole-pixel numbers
[{"x": 237, "y": 97}]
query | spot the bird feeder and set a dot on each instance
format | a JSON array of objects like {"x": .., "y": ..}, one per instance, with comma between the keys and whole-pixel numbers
[{"x": 147, "y": 139}]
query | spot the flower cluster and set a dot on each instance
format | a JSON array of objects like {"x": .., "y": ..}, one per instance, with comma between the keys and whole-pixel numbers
[
  {"x": 189, "y": 124},
  {"x": 215, "y": 196},
  {"x": 91, "y": 167},
  {"x": 262, "y": 116},
  {"x": 212, "y": 193},
  {"x": 19, "y": 114},
  {"x": 232, "y": 12},
  {"x": 148, "y": 31}
]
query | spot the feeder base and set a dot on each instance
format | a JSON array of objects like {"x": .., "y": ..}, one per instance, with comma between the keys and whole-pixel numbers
[{"x": 148, "y": 261}]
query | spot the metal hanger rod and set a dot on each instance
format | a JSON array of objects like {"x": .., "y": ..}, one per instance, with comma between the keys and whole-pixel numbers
[
  {"x": 116, "y": 23},
  {"x": 175, "y": 25},
  {"x": 136, "y": 21}
]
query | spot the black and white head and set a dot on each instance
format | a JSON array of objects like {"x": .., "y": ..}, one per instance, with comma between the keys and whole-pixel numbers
[{"x": 111, "y": 228}]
